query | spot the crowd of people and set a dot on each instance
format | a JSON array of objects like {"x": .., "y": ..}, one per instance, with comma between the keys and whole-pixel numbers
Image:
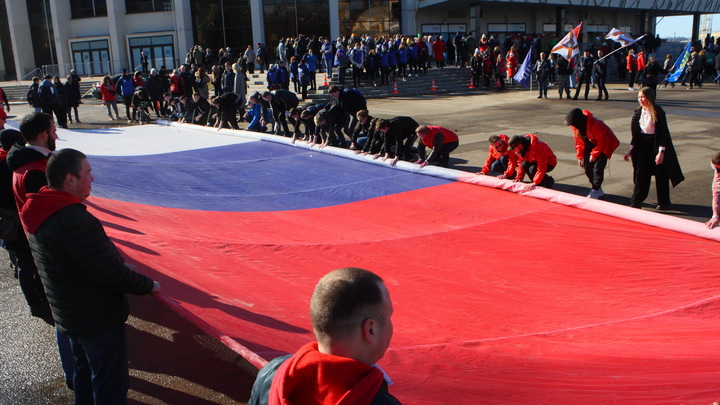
[
  {"x": 51, "y": 96},
  {"x": 79, "y": 294},
  {"x": 71, "y": 274}
]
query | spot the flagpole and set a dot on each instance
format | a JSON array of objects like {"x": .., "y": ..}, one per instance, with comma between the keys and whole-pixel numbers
[
  {"x": 612, "y": 52},
  {"x": 624, "y": 46}
]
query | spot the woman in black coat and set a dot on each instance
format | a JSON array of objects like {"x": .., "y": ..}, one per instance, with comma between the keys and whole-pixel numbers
[{"x": 652, "y": 152}]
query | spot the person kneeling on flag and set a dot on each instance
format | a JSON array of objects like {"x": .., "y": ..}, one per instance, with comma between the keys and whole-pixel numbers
[
  {"x": 500, "y": 158},
  {"x": 536, "y": 159},
  {"x": 441, "y": 140}
]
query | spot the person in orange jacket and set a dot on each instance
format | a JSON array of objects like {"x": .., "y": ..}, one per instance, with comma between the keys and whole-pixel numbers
[
  {"x": 535, "y": 158},
  {"x": 595, "y": 143},
  {"x": 639, "y": 79},
  {"x": 512, "y": 62},
  {"x": 441, "y": 140},
  {"x": 632, "y": 68},
  {"x": 500, "y": 158}
]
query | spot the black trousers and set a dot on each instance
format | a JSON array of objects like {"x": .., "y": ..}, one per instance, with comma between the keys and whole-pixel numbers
[
  {"x": 584, "y": 78},
  {"x": 601, "y": 88},
  {"x": 644, "y": 164},
  {"x": 595, "y": 171},
  {"x": 443, "y": 155},
  {"x": 531, "y": 169}
]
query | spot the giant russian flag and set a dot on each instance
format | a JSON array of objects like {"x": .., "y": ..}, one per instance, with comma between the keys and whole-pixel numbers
[{"x": 499, "y": 297}]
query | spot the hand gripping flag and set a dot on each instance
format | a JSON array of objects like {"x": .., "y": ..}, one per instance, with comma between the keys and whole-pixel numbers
[
  {"x": 569, "y": 46},
  {"x": 523, "y": 74},
  {"x": 621, "y": 37},
  {"x": 680, "y": 63}
]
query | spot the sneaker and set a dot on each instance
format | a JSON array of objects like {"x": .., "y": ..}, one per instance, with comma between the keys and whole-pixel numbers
[
  {"x": 550, "y": 182},
  {"x": 631, "y": 89},
  {"x": 595, "y": 194}
]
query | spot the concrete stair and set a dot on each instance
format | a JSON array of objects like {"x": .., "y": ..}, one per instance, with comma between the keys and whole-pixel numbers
[
  {"x": 17, "y": 91},
  {"x": 449, "y": 80}
]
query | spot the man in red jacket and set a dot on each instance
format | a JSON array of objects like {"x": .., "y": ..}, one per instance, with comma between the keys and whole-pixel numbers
[
  {"x": 350, "y": 311},
  {"x": 595, "y": 143},
  {"x": 441, "y": 140},
  {"x": 500, "y": 158},
  {"x": 536, "y": 159}
]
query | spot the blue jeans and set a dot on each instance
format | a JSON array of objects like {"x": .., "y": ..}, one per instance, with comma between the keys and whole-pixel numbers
[
  {"x": 500, "y": 165},
  {"x": 66, "y": 357},
  {"x": 101, "y": 369},
  {"x": 328, "y": 63}
]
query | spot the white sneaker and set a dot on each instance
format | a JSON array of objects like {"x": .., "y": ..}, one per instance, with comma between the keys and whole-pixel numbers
[
  {"x": 631, "y": 89},
  {"x": 595, "y": 194}
]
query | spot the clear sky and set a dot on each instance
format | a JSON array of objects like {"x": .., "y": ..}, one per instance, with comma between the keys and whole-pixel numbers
[{"x": 681, "y": 26}]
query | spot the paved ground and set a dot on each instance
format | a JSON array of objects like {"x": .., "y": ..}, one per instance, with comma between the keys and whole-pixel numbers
[{"x": 175, "y": 363}]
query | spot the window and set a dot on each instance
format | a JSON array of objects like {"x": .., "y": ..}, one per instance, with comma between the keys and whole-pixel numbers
[
  {"x": 91, "y": 57},
  {"x": 88, "y": 8},
  {"x": 147, "y": 6},
  {"x": 41, "y": 32},
  {"x": 219, "y": 24},
  {"x": 288, "y": 18},
  {"x": 369, "y": 17},
  {"x": 160, "y": 51}
]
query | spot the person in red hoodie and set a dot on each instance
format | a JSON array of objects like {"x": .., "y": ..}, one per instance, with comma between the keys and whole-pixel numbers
[
  {"x": 441, "y": 140},
  {"x": 350, "y": 311},
  {"x": 438, "y": 47},
  {"x": 85, "y": 277},
  {"x": 595, "y": 143},
  {"x": 500, "y": 158},
  {"x": 536, "y": 159},
  {"x": 640, "y": 78}
]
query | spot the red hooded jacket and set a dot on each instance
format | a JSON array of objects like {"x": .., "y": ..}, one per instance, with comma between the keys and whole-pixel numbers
[
  {"x": 540, "y": 153},
  {"x": 494, "y": 155},
  {"x": 310, "y": 377},
  {"x": 599, "y": 134},
  {"x": 42, "y": 205}
]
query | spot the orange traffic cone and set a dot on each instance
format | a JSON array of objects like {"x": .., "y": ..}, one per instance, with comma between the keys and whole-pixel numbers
[
  {"x": 325, "y": 83},
  {"x": 433, "y": 88},
  {"x": 472, "y": 84},
  {"x": 395, "y": 90}
]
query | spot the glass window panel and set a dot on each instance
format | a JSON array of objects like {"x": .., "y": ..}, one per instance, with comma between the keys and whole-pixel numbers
[
  {"x": 140, "y": 41},
  {"x": 103, "y": 44},
  {"x": 79, "y": 46},
  {"x": 373, "y": 17},
  {"x": 218, "y": 24}
]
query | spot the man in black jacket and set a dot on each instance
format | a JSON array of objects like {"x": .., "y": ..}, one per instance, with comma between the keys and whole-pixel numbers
[
  {"x": 85, "y": 278},
  {"x": 398, "y": 138},
  {"x": 600, "y": 71},
  {"x": 351, "y": 101},
  {"x": 281, "y": 101}
]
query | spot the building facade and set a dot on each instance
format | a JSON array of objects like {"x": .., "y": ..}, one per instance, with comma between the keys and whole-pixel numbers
[{"x": 105, "y": 36}]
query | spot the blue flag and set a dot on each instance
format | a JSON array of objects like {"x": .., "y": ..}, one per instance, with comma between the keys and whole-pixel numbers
[
  {"x": 523, "y": 74},
  {"x": 680, "y": 63}
]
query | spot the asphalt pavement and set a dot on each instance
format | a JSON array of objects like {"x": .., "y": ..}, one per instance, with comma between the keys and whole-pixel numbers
[{"x": 173, "y": 362}]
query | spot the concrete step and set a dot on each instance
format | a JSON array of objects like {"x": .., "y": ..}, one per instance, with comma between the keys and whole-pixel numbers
[{"x": 17, "y": 93}]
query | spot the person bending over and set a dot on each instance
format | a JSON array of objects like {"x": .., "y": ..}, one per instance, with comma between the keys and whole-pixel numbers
[
  {"x": 441, "y": 140},
  {"x": 535, "y": 158}
]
